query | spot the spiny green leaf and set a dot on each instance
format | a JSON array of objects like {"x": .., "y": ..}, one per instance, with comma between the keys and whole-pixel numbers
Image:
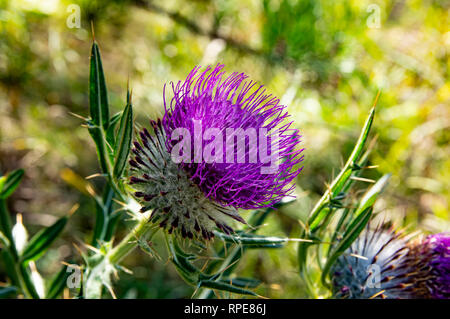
[
  {"x": 4, "y": 240},
  {"x": 103, "y": 149},
  {"x": 224, "y": 286},
  {"x": 27, "y": 281},
  {"x": 11, "y": 183},
  {"x": 353, "y": 231},
  {"x": 42, "y": 240},
  {"x": 58, "y": 283},
  {"x": 102, "y": 219},
  {"x": 371, "y": 195},
  {"x": 123, "y": 143},
  {"x": 6, "y": 292},
  {"x": 339, "y": 182},
  {"x": 243, "y": 282},
  {"x": 317, "y": 214},
  {"x": 110, "y": 132},
  {"x": 250, "y": 239},
  {"x": 98, "y": 96},
  {"x": 6, "y": 228},
  {"x": 2, "y": 182},
  {"x": 10, "y": 267},
  {"x": 185, "y": 268}
]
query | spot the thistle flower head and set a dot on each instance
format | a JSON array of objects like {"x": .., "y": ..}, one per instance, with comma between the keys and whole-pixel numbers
[
  {"x": 386, "y": 264},
  {"x": 208, "y": 103},
  {"x": 436, "y": 273},
  {"x": 375, "y": 266},
  {"x": 221, "y": 145}
]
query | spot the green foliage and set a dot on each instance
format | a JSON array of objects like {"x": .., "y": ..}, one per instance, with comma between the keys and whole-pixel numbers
[
  {"x": 42, "y": 240},
  {"x": 321, "y": 59},
  {"x": 124, "y": 137},
  {"x": 58, "y": 283},
  {"x": 98, "y": 95},
  {"x": 10, "y": 182}
]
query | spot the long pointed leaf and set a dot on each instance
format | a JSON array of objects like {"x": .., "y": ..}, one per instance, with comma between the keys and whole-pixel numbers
[
  {"x": 353, "y": 231},
  {"x": 316, "y": 216},
  {"x": 98, "y": 96},
  {"x": 58, "y": 283},
  {"x": 123, "y": 143},
  {"x": 339, "y": 182},
  {"x": 11, "y": 183},
  {"x": 251, "y": 240},
  {"x": 40, "y": 242}
]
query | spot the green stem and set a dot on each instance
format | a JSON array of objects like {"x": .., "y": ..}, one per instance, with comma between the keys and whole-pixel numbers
[
  {"x": 141, "y": 230},
  {"x": 18, "y": 270},
  {"x": 6, "y": 228}
]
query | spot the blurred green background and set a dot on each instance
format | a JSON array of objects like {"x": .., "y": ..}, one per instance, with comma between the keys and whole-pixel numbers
[{"x": 326, "y": 60}]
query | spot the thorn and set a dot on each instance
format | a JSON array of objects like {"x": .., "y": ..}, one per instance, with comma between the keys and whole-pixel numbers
[
  {"x": 370, "y": 167},
  {"x": 74, "y": 209},
  {"x": 95, "y": 175},
  {"x": 125, "y": 270},
  {"x": 300, "y": 240},
  {"x": 32, "y": 266},
  {"x": 204, "y": 266},
  {"x": 123, "y": 209},
  {"x": 233, "y": 263},
  {"x": 303, "y": 225},
  {"x": 78, "y": 249},
  {"x": 91, "y": 190},
  {"x": 19, "y": 219},
  {"x": 376, "y": 98},
  {"x": 71, "y": 265},
  {"x": 111, "y": 291},
  {"x": 92, "y": 30},
  {"x": 361, "y": 179},
  {"x": 195, "y": 291},
  {"x": 119, "y": 202},
  {"x": 95, "y": 250},
  {"x": 328, "y": 187},
  {"x": 79, "y": 116},
  {"x": 377, "y": 294},
  {"x": 359, "y": 256},
  {"x": 217, "y": 294}
]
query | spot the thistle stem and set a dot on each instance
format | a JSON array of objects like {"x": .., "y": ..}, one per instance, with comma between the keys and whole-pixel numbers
[{"x": 142, "y": 230}]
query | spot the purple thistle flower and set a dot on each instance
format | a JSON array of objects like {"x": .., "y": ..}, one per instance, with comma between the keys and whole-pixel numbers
[
  {"x": 375, "y": 266},
  {"x": 193, "y": 190},
  {"x": 231, "y": 103},
  {"x": 437, "y": 251},
  {"x": 386, "y": 264}
]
